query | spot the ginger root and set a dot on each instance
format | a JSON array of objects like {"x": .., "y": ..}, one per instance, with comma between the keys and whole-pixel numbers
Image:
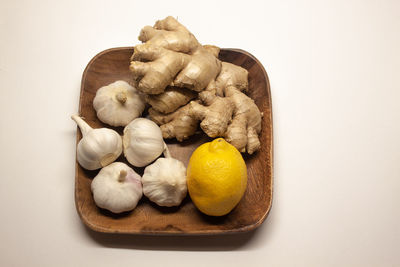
[
  {"x": 171, "y": 99},
  {"x": 171, "y": 55},
  {"x": 178, "y": 124},
  {"x": 245, "y": 126},
  {"x": 245, "y": 117},
  {"x": 214, "y": 115},
  {"x": 230, "y": 75},
  {"x": 234, "y": 116},
  {"x": 173, "y": 68},
  {"x": 223, "y": 111}
]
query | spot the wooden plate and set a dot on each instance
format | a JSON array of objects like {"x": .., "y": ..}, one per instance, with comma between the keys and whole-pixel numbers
[{"x": 148, "y": 218}]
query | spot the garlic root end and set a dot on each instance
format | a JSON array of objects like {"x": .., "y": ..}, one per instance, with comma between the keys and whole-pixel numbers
[{"x": 107, "y": 159}]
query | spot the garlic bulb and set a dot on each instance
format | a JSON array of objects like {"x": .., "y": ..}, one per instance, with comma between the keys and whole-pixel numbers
[
  {"x": 164, "y": 181},
  {"x": 117, "y": 188},
  {"x": 142, "y": 141},
  {"x": 98, "y": 147},
  {"x": 118, "y": 103}
]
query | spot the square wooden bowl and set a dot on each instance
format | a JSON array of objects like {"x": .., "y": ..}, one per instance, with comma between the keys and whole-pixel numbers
[{"x": 148, "y": 218}]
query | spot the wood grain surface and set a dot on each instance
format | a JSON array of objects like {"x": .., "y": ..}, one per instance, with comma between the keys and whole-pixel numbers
[{"x": 148, "y": 218}]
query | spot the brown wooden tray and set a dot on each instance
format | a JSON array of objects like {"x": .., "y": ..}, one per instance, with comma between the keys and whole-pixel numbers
[{"x": 148, "y": 218}]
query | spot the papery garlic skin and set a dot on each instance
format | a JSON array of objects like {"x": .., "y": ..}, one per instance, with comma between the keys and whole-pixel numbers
[
  {"x": 118, "y": 103},
  {"x": 117, "y": 188},
  {"x": 164, "y": 182},
  {"x": 98, "y": 147},
  {"x": 142, "y": 142}
]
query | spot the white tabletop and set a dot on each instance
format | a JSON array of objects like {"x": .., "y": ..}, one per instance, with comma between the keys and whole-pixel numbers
[{"x": 334, "y": 71}]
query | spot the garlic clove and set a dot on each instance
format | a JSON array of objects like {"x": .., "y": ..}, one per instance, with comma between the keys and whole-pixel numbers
[
  {"x": 164, "y": 182},
  {"x": 118, "y": 103},
  {"x": 142, "y": 142},
  {"x": 98, "y": 147},
  {"x": 117, "y": 188}
]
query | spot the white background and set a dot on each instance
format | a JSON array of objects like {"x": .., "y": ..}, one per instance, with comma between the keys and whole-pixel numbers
[{"x": 334, "y": 70}]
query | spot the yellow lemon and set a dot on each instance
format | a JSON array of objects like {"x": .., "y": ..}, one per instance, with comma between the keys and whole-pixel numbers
[{"x": 216, "y": 177}]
